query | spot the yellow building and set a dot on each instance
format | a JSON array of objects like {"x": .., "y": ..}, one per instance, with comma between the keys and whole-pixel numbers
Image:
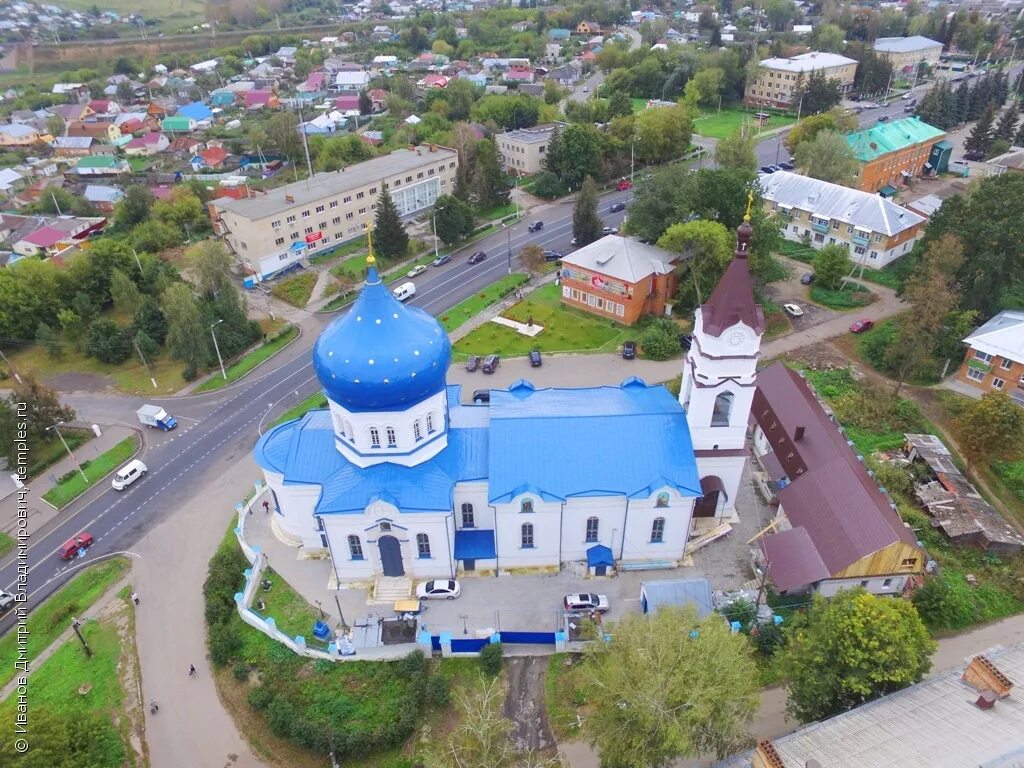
[{"x": 776, "y": 78}]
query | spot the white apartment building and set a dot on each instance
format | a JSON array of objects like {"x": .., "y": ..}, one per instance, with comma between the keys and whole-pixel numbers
[
  {"x": 776, "y": 78},
  {"x": 273, "y": 231}
]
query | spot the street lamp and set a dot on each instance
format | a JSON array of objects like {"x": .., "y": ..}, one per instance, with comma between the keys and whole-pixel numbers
[
  {"x": 216, "y": 346},
  {"x": 631, "y": 145},
  {"x": 508, "y": 235},
  {"x": 56, "y": 428},
  {"x": 433, "y": 219}
]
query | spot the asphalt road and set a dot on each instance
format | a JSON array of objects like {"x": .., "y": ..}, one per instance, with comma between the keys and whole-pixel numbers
[{"x": 218, "y": 427}]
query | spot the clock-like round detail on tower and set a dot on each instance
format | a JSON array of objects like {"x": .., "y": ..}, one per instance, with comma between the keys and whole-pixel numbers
[{"x": 735, "y": 339}]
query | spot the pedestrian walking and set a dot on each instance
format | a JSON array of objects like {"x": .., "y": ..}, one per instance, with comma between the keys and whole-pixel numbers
[
  {"x": 266, "y": 507},
  {"x": 135, "y": 597},
  {"x": 191, "y": 670}
]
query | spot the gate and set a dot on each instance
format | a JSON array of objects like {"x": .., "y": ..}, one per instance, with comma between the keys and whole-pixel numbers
[
  {"x": 528, "y": 638},
  {"x": 471, "y": 645}
]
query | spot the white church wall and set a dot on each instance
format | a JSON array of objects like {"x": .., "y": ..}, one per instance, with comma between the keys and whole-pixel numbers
[
  {"x": 475, "y": 494},
  {"x": 728, "y": 469},
  {"x": 353, "y": 432},
  {"x": 640, "y": 523},
  {"x": 546, "y": 520},
  {"x": 437, "y": 528},
  {"x": 338, "y": 528},
  {"x": 610, "y": 512},
  {"x": 297, "y": 504}
]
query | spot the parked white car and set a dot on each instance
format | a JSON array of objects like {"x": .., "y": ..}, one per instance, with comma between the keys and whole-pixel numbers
[
  {"x": 793, "y": 309},
  {"x": 585, "y": 603},
  {"x": 417, "y": 270},
  {"x": 438, "y": 590}
]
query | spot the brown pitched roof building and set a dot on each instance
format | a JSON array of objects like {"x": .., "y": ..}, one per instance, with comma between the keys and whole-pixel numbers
[
  {"x": 835, "y": 527},
  {"x": 732, "y": 301}
]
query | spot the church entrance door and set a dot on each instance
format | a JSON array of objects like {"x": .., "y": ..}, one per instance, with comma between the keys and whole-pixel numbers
[{"x": 391, "y": 556}]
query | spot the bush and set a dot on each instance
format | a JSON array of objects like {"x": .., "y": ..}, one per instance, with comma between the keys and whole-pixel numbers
[
  {"x": 439, "y": 691},
  {"x": 225, "y": 641},
  {"x": 413, "y": 666},
  {"x": 740, "y": 610},
  {"x": 941, "y": 606},
  {"x": 108, "y": 342},
  {"x": 768, "y": 638},
  {"x": 241, "y": 671},
  {"x": 490, "y": 659},
  {"x": 260, "y": 697},
  {"x": 660, "y": 340},
  {"x": 548, "y": 185},
  {"x": 189, "y": 372}
]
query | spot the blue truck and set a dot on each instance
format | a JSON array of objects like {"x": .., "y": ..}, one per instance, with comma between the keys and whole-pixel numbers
[{"x": 156, "y": 417}]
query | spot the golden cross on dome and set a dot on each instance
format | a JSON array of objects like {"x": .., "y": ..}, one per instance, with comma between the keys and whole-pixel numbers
[
  {"x": 750, "y": 202},
  {"x": 370, "y": 260}
]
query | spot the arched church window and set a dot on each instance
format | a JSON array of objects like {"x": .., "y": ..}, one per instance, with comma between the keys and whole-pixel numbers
[
  {"x": 392, "y": 437},
  {"x": 417, "y": 433},
  {"x": 423, "y": 545},
  {"x": 658, "y": 530},
  {"x": 374, "y": 437},
  {"x": 720, "y": 416},
  {"x": 592, "y": 527},
  {"x": 661, "y": 500},
  {"x": 355, "y": 548},
  {"x": 468, "y": 519},
  {"x": 526, "y": 537},
  {"x": 430, "y": 423},
  {"x": 526, "y": 506}
]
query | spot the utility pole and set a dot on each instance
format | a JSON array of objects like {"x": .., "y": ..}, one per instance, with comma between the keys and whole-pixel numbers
[
  {"x": 343, "y": 625},
  {"x": 144, "y": 363},
  {"x": 10, "y": 367},
  {"x": 433, "y": 219},
  {"x": 136, "y": 255},
  {"x": 77, "y": 626},
  {"x": 55, "y": 203},
  {"x": 56, "y": 428},
  {"x": 216, "y": 346},
  {"x": 508, "y": 233},
  {"x": 764, "y": 579}
]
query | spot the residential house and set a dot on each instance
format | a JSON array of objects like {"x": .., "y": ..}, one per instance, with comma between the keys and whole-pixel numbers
[
  {"x": 953, "y": 502},
  {"x": 384, "y": 64},
  {"x": 351, "y": 81},
  {"x": 519, "y": 74},
  {"x": 71, "y": 146},
  {"x": 619, "y": 278},
  {"x": 995, "y": 356},
  {"x": 178, "y": 124},
  {"x": 104, "y": 107},
  {"x": 71, "y": 113},
  {"x": 196, "y": 111},
  {"x": 382, "y": 33},
  {"x": 479, "y": 79},
  {"x": 212, "y": 157},
  {"x": 106, "y": 132},
  {"x": 286, "y": 53},
  {"x": 568, "y": 74},
  {"x": 958, "y": 717},
  {"x": 379, "y": 97},
  {"x": 347, "y": 104},
  {"x": 834, "y": 527},
  {"x": 588, "y": 28},
  {"x": 204, "y": 66},
  {"x": 19, "y": 135},
  {"x": 776, "y": 78},
  {"x": 47, "y": 236},
  {"x": 553, "y": 53},
  {"x": 873, "y": 228},
  {"x": 523, "y": 151},
  {"x": 559, "y": 35},
  {"x": 373, "y": 138},
  {"x": 316, "y": 82},
  {"x": 9, "y": 180},
  {"x": 894, "y": 154},
  {"x": 261, "y": 99},
  {"x": 100, "y": 165},
  {"x": 184, "y": 146},
  {"x": 926, "y": 206},
  {"x": 147, "y": 145},
  {"x": 431, "y": 82},
  {"x": 102, "y": 197},
  {"x": 224, "y": 98},
  {"x": 905, "y": 53}
]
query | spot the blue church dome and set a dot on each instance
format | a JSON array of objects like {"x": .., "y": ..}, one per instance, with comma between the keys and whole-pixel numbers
[{"x": 382, "y": 355}]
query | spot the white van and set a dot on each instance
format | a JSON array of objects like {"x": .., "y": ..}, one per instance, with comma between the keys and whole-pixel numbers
[
  {"x": 405, "y": 291},
  {"x": 128, "y": 474}
]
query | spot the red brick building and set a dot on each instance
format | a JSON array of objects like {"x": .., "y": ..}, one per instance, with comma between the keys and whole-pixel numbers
[{"x": 619, "y": 278}]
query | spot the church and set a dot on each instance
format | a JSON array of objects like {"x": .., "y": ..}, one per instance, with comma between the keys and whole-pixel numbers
[{"x": 399, "y": 477}]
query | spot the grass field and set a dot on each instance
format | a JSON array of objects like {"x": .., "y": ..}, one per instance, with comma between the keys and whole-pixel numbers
[
  {"x": 74, "y": 485},
  {"x": 296, "y": 290},
  {"x": 173, "y": 12},
  {"x": 885, "y": 276},
  {"x": 6, "y": 544},
  {"x": 51, "y": 618},
  {"x": 319, "y": 400},
  {"x": 262, "y": 353},
  {"x": 48, "y": 453},
  {"x": 565, "y": 330},
  {"x": 474, "y": 305},
  {"x": 719, "y": 125},
  {"x": 851, "y": 297},
  {"x": 290, "y": 610}
]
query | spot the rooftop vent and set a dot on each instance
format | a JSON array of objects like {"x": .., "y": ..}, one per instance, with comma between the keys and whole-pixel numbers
[
  {"x": 798, "y": 433},
  {"x": 986, "y": 700}
]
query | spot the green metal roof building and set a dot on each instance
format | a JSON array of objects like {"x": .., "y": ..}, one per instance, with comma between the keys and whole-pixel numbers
[{"x": 894, "y": 153}]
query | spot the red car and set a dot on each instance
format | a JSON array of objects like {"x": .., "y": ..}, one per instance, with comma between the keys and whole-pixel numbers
[
  {"x": 623, "y": 185},
  {"x": 70, "y": 548},
  {"x": 859, "y": 326}
]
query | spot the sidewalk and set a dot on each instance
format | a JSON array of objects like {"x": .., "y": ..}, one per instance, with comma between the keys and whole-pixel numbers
[{"x": 41, "y": 513}]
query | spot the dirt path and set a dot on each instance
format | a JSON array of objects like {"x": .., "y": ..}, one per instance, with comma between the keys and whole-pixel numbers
[{"x": 524, "y": 704}]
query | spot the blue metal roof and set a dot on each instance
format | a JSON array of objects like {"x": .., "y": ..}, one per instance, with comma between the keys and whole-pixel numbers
[
  {"x": 382, "y": 355},
  {"x": 599, "y": 554},
  {"x": 599, "y": 441},
  {"x": 196, "y": 110},
  {"x": 474, "y": 545},
  {"x": 304, "y": 452}
]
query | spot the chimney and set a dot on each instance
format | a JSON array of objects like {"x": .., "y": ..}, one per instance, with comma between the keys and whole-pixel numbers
[
  {"x": 986, "y": 700},
  {"x": 289, "y": 199},
  {"x": 983, "y": 676},
  {"x": 765, "y": 756},
  {"x": 433, "y": 147},
  {"x": 798, "y": 434}
]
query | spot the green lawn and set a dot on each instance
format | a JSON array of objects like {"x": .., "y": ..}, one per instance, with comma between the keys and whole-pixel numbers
[
  {"x": 262, "y": 353},
  {"x": 565, "y": 329},
  {"x": 562, "y": 697},
  {"x": 498, "y": 212},
  {"x": 176, "y": 13},
  {"x": 48, "y": 453},
  {"x": 347, "y": 249},
  {"x": 1012, "y": 474},
  {"x": 296, "y": 290},
  {"x": 886, "y": 276},
  {"x": 290, "y": 611},
  {"x": 851, "y": 297},
  {"x": 319, "y": 400},
  {"x": 719, "y": 125},
  {"x": 73, "y": 485},
  {"x": 53, "y": 616},
  {"x": 474, "y": 305},
  {"x": 6, "y": 544}
]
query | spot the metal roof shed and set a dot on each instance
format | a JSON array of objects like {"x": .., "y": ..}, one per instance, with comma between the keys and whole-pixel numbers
[{"x": 676, "y": 592}]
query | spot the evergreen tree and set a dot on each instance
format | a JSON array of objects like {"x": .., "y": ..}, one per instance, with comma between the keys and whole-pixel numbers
[
  {"x": 390, "y": 240},
  {"x": 980, "y": 138},
  {"x": 1019, "y": 137},
  {"x": 1006, "y": 128},
  {"x": 1001, "y": 86},
  {"x": 979, "y": 101},
  {"x": 586, "y": 225},
  {"x": 963, "y": 102},
  {"x": 365, "y": 103},
  {"x": 553, "y": 159},
  {"x": 620, "y": 104},
  {"x": 490, "y": 189}
]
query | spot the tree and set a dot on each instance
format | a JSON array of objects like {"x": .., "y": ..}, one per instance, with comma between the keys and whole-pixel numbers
[
  {"x": 828, "y": 37},
  {"x": 643, "y": 712},
  {"x": 490, "y": 189},
  {"x": 1006, "y": 128},
  {"x": 55, "y": 125},
  {"x": 209, "y": 264},
  {"x": 660, "y": 339},
  {"x": 852, "y": 649},
  {"x": 662, "y": 134},
  {"x": 991, "y": 429},
  {"x": 133, "y": 208},
  {"x": 188, "y": 338},
  {"x": 66, "y": 741},
  {"x": 931, "y": 294},
  {"x": 817, "y": 93},
  {"x": 146, "y": 345},
  {"x": 805, "y": 130},
  {"x": 705, "y": 248},
  {"x": 549, "y": 186},
  {"x": 41, "y": 409},
  {"x": 453, "y": 219},
  {"x": 737, "y": 151},
  {"x": 705, "y": 87},
  {"x": 334, "y": 153},
  {"x": 981, "y": 134},
  {"x": 586, "y": 224},
  {"x": 390, "y": 240},
  {"x": 124, "y": 293},
  {"x": 149, "y": 318},
  {"x": 50, "y": 339},
  {"x": 831, "y": 265},
  {"x": 578, "y": 154},
  {"x": 365, "y": 103},
  {"x": 619, "y": 104},
  {"x": 109, "y": 342},
  {"x": 282, "y": 131},
  {"x": 182, "y": 210},
  {"x": 827, "y": 157},
  {"x": 532, "y": 258},
  {"x": 71, "y": 324}
]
